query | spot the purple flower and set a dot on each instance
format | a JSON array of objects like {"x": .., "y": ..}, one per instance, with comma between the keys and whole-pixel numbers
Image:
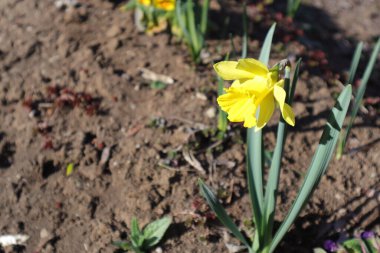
[
  {"x": 367, "y": 235},
  {"x": 330, "y": 246}
]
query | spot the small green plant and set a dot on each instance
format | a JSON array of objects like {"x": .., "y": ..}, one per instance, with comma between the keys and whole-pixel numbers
[
  {"x": 360, "y": 92},
  {"x": 368, "y": 242},
  {"x": 157, "y": 85},
  {"x": 251, "y": 99},
  {"x": 192, "y": 25},
  {"x": 142, "y": 241},
  {"x": 152, "y": 16}
]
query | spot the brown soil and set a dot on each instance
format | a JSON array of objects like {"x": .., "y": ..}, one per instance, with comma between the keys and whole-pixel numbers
[{"x": 72, "y": 91}]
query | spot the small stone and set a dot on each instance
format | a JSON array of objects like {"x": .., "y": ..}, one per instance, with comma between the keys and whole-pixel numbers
[
  {"x": 44, "y": 233},
  {"x": 370, "y": 193},
  {"x": 210, "y": 112},
  {"x": 342, "y": 211},
  {"x": 158, "y": 250},
  {"x": 201, "y": 96}
]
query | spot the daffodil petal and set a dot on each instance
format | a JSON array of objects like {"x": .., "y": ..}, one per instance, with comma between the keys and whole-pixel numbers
[
  {"x": 235, "y": 84},
  {"x": 228, "y": 71},
  {"x": 280, "y": 95},
  {"x": 288, "y": 115},
  {"x": 267, "y": 107},
  {"x": 256, "y": 85},
  {"x": 253, "y": 66},
  {"x": 250, "y": 121},
  {"x": 280, "y": 83},
  {"x": 286, "y": 110}
]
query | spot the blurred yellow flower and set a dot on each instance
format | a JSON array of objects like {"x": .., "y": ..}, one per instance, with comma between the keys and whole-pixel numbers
[
  {"x": 252, "y": 96},
  {"x": 145, "y": 2},
  {"x": 167, "y": 5}
]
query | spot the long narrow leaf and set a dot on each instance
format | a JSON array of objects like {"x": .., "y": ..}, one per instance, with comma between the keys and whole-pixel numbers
[
  {"x": 319, "y": 162},
  {"x": 192, "y": 27},
  {"x": 245, "y": 32},
  {"x": 274, "y": 172},
  {"x": 182, "y": 20},
  {"x": 361, "y": 90},
  {"x": 221, "y": 213},
  {"x": 265, "y": 50},
  {"x": 354, "y": 66},
  {"x": 355, "y": 62},
  {"x": 294, "y": 82},
  {"x": 204, "y": 17}
]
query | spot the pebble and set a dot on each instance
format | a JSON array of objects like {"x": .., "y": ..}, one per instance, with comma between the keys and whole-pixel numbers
[
  {"x": 158, "y": 250},
  {"x": 210, "y": 112},
  {"x": 44, "y": 233},
  {"x": 201, "y": 96}
]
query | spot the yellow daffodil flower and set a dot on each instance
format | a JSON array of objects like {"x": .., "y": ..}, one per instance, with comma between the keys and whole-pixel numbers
[
  {"x": 145, "y": 2},
  {"x": 167, "y": 5},
  {"x": 254, "y": 93}
]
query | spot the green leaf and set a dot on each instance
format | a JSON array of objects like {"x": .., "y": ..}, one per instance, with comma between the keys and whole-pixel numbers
[
  {"x": 274, "y": 172},
  {"x": 204, "y": 17},
  {"x": 352, "y": 73},
  {"x": 294, "y": 82},
  {"x": 361, "y": 91},
  {"x": 265, "y": 50},
  {"x": 123, "y": 245},
  {"x": 292, "y": 7},
  {"x": 69, "y": 169},
  {"x": 355, "y": 246},
  {"x": 157, "y": 85},
  {"x": 319, "y": 162},
  {"x": 373, "y": 244},
  {"x": 355, "y": 62},
  {"x": 245, "y": 32},
  {"x": 129, "y": 6},
  {"x": 268, "y": 156},
  {"x": 221, "y": 213},
  {"x": 181, "y": 18},
  {"x": 136, "y": 236},
  {"x": 154, "y": 232}
]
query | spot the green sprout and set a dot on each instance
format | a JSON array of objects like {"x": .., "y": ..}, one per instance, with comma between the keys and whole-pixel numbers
[
  {"x": 142, "y": 241},
  {"x": 360, "y": 92},
  {"x": 263, "y": 199},
  {"x": 292, "y": 7},
  {"x": 193, "y": 27}
]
